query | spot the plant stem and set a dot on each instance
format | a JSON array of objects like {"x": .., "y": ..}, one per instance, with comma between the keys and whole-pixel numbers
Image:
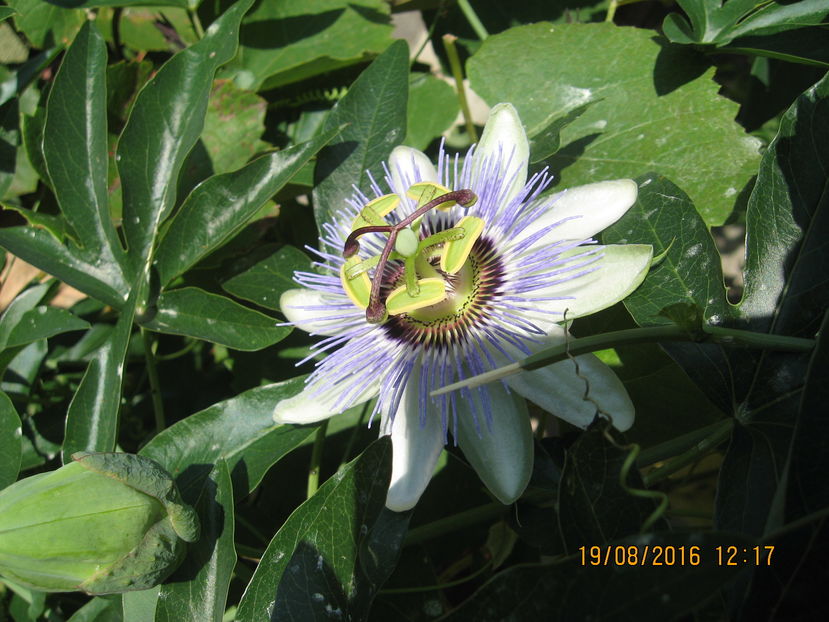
[
  {"x": 703, "y": 447},
  {"x": 457, "y": 74},
  {"x": 316, "y": 458},
  {"x": 611, "y": 10},
  {"x": 196, "y": 23},
  {"x": 472, "y": 17},
  {"x": 472, "y": 516},
  {"x": 631, "y": 336},
  {"x": 152, "y": 376},
  {"x": 441, "y": 586},
  {"x": 675, "y": 446}
]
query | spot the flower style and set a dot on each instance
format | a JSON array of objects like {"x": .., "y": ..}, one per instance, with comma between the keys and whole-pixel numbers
[{"x": 458, "y": 270}]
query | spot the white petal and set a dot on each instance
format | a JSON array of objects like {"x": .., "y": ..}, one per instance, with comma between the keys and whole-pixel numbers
[
  {"x": 585, "y": 210},
  {"x": 504, "y": 138},
  {"x": 501, "y": 454},
  {"x": 619, "y": 271},
  {"x": 298, "y": 305},
  {"x": 415, "y": 449},
  {"x": 559, "y": 390},
  {"x": 310, "y": 406},
  {"x": 409, "y": 166}
]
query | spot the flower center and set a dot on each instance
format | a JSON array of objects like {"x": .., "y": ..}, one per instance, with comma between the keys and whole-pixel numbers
[
  {"x": 423, "y": 263},
  {"x": 466, "y": 305}
]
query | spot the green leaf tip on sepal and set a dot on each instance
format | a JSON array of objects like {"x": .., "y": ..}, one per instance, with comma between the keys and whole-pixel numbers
[{"x": 149, "y": 477}]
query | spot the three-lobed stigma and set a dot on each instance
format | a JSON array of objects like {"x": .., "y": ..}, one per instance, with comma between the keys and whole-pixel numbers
[{"x": 423, "y": 283}]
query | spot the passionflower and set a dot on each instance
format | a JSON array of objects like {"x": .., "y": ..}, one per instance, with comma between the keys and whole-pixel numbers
[{"x": 457, "y": 270}]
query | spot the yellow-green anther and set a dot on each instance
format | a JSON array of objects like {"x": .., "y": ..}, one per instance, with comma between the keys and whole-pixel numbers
[
  {"x": 358, "y": 288},
  {"x": 406, "y": 242},
  {"x": 432, "y": 291},
  {"x": 374, "y": 212},
  {"x": 102, "y": 524},
  {"x": 455, "y": 252},
  {"x": 425, "y": 191}
]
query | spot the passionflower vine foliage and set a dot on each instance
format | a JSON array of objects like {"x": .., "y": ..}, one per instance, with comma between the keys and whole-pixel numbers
[{"x": 457, "y": 270}]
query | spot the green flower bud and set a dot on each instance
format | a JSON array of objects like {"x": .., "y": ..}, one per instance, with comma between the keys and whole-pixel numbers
[{"x": 107, "y": 522}]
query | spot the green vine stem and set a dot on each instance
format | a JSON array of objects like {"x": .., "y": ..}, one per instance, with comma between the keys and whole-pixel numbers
[
  {"x": 441, "y": 586},
  {"x": 316, "y": 459},
  {"x": 472, "y": 17},
  {"x": 657, "y": 495},
  {"x": 457, "y": 74},
  {"x": 195, "y": 21},
  {"x": 708, "y": 444},
  {"x": 155, "y": 383},
  {"x": 649, "y": 334}
]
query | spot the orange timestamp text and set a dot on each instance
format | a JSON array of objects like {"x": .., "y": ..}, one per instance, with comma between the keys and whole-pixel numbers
[{"x": 669, "y": 555}]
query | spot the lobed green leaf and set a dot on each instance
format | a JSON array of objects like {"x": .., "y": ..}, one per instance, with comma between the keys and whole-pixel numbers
[
  {"x": 223, "y": 204},
  {"x": 375, "y": 110},
  {"x": 655, "y": 108},
  {"x": 75, "y": 146},
  {"x": 165, "y": 123}
]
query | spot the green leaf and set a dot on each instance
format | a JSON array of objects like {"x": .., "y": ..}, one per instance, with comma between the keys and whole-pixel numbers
[
  {"x": 572, "y": 590},
  {"x": 165, "y": 123},
  {"x": 690, "y": 272},
  {"x": 45, "y": 24},
  {"x": 196, "y": 313},
  {"x": 594, "y": 509},
  {"x": 432, "y": 109},
  {"x": 25, "y": 320},
  {"x": 265, "y": 281},
  {"x": 41, "y": 249},
  {"x": 338, "y": 548},
  {"x": 786, "y": 284},
  {"x": 9, "y": 138},
  {"x": 375, "y": 110},
  {"x": 288, "y": 41},
  {"x": 223, "y": 204},
  {"x": 41, "y": 323},
  {"x": 75, "y": 147},
  {"x": 11, "y": 450},
  {"x": 24, "y": 302},
  {"x": 197, "y": 591},
  {"x": 6, "y": 12},
  {"x": 719, "y": 25},
  {"x": 92, "y": 418},
  {"x": 786, "y": 292},
  {"x": 654, "y": 102},
  {"x": 240, "y": 430},
  {"x": 709, "y": 20}
]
